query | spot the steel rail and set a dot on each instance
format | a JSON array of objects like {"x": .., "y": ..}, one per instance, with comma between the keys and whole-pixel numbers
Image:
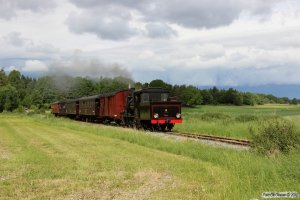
[{"x": 232, "y": 141}]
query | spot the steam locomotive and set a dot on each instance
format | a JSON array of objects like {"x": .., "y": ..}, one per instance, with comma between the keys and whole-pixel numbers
[{"x": 149, "y": 108}]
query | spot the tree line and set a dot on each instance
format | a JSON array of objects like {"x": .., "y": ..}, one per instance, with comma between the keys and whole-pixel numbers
[
  {"x": 22, "y": 92},
  {"x": 191, "y": 95}
]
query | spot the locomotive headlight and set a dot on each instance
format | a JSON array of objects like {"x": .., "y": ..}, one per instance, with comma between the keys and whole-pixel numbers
[
  {"x": 155, "y": 115},
  {"x": 178, "y": 115}
]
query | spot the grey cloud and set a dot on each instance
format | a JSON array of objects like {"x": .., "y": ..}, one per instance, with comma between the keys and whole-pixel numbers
[
  {"x": 15, "y": 39},
  {"x": 35, "y": 5},
  {"x": 111, "y": 19},
  {"x": 100, "y": 3},
  {"x": 6, "y": 11},
  {"x": 108, "y": 23},
  {"x": 159, "y": 30},
  {"x": 192, "y": 13},
  {"x": 9, "y": 8},
  {"x": 204, "y": 13}
]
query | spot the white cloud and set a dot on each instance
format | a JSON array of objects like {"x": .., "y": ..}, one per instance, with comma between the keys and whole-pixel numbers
[
  {"x": 11, "y": 68},
  {"x": 210, "y": 51},
  {"x": 34, "y": 66},
  {"x": 146, "y": 54}
]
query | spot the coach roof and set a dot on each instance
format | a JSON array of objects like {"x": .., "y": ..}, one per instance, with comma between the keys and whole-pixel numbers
[{"x": 101, "y": 95}]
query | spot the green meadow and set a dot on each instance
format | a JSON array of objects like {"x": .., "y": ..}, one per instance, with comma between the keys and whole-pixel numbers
[
  {"x": 42, "y": 157},
  {"x": 234, "y": 121}
]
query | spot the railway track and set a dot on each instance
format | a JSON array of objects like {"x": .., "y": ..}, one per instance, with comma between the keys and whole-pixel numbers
[{"x": 226, "y": 140}]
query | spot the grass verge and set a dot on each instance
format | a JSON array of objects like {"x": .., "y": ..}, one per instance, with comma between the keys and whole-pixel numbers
[
  {"x": 60, "y": 158},
  {"x": 234, "y": 121}
]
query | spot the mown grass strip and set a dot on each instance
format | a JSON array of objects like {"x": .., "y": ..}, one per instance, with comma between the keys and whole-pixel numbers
[
  {"x": 251, "y": 173},
  {"x": 56, "y": 161}
]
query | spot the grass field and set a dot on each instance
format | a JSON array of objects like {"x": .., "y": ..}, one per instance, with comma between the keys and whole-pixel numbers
[
  {"x": 42, "y": 157},
  {"x": 234, "y": 121}
]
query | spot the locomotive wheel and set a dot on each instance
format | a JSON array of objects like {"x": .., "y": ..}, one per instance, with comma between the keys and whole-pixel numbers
[
  {"x": 170, "y": 126},
  {"x": 136, "y": 124},
  {"x": 163, "y": 128}
]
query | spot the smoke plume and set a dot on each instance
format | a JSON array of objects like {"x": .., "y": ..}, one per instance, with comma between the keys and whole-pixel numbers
[{"x": 91, "y": 67}]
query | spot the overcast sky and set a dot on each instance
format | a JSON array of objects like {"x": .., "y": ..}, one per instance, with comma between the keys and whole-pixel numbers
[{"x": 200, "y": 42}]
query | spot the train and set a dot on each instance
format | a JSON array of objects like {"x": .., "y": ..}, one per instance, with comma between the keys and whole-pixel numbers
[{"x": 147, "y": 108}]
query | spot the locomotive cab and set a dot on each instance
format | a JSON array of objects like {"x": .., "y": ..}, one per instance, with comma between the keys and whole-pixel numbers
[{"x": 155, "y": 110}]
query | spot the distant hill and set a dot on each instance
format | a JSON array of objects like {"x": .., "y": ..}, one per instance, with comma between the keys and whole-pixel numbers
[{"x": 290, "y": 91}]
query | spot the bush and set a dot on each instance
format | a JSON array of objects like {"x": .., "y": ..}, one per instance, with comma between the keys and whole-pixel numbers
[
  {"x": 275, "y": 136},
  {"x": 20, "y": 109},
  {"x": 33, "y": 110},
  {"x": 246, "y": 118},
  {"x": 214, "y": 116}
]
